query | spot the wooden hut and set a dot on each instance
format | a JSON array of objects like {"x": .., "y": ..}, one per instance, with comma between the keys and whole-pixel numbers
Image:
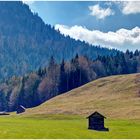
[
  {"x": 96, "y": 122},
  {"x": 4, "y": 113},
  {"x": 20, "y": 109}
]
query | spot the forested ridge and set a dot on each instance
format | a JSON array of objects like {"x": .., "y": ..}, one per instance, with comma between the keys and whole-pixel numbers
[
  {"x": 27, "y": 43},
  {"x": 35, "y": 88}
]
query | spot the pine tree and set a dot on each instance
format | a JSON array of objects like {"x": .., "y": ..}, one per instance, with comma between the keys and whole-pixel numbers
[
  {"x": 63, "y": 78},
  {"x": 21, "y": 93}
]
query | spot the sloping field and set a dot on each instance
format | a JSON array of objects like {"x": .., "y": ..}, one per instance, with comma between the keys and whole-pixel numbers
[{"x": 115, "y": 97}]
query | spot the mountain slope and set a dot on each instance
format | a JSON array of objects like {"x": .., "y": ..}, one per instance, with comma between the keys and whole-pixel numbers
[
  {"x": 115, "y": 96},
  {"x": 26, "y": 42}
]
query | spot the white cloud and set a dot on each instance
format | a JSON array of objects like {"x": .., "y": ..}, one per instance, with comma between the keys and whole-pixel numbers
[
  {"x": 130, "y": 7},
  {"x": 99, "y": 12},
  {"x": 122, "y": 39}
]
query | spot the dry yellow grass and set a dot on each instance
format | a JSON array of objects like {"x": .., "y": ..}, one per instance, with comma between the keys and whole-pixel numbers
[{"x": 114, "y": 96}]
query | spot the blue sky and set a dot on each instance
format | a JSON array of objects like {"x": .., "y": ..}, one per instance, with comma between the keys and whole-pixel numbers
[{"x": 110, "y": 24}]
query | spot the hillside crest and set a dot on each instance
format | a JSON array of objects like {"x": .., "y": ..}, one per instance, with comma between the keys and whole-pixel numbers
[{"x": 114, "y": 96}]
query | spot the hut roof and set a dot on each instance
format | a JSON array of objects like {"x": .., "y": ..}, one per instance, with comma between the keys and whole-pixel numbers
[
  {"x": 96, "y": 114},
  {"x": 20, "y": 106}
]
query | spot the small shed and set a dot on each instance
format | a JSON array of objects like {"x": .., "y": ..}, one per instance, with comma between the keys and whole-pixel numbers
[
  {"x": 96, "y": 122},
  {"x": 4, "y": 113},
  {"x": 20, "y": 109}
]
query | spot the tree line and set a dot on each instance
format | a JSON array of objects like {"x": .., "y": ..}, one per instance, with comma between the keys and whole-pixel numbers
[{"x": 33, "y": 89}]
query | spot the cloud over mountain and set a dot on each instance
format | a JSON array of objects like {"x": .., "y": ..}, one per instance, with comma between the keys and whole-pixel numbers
[
  {"x": 99, "y": 12},
  {"x": 121, "y": 39}
]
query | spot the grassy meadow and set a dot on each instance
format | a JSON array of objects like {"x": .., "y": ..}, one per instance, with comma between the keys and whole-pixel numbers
[
  {"x": 63, "y": 126},
  {"x": 116, "y": 97}
]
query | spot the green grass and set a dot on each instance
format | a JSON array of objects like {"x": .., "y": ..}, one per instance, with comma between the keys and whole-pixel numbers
[{"x": 63, "y": 126}]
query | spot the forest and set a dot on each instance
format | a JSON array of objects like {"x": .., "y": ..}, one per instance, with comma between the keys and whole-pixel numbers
[
  {"x": 27, "y": 43},
  {"x": 35, "y": 88}
]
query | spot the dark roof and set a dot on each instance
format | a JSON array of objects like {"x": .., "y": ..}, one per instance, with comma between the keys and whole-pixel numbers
[{"x": 96, "y": 114}]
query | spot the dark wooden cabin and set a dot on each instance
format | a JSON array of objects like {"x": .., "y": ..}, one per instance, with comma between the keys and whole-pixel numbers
[
  {"x": 96, "y": 122},
  {"x": 20, "y": 109},
  {"x": 4, "y": 113}
]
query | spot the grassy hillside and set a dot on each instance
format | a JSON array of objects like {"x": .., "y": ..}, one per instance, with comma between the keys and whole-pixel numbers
[{"x": 115, "y": 97}]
